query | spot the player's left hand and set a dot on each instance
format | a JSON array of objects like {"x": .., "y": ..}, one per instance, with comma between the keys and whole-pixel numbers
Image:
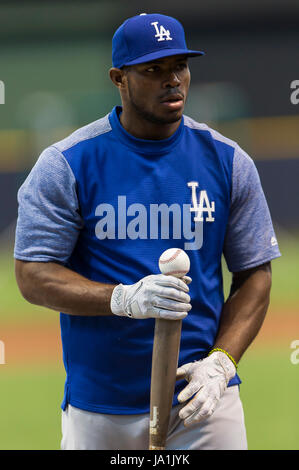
[{"x": 208, "y": 379}]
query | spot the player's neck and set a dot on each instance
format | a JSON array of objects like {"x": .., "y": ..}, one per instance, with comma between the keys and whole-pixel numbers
[{"x": 144, "y": 129}]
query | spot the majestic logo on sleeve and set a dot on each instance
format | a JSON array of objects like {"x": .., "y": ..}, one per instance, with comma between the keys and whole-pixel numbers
[
  {"x": 157, "y": 221},
  {"x": 161, "y": 33}
]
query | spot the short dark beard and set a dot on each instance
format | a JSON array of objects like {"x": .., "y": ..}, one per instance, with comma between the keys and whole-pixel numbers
[{"x": 150, "y": 116}]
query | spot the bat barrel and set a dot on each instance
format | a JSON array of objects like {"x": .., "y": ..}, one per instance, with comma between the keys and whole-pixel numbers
[{"x": 163, "y": 378}]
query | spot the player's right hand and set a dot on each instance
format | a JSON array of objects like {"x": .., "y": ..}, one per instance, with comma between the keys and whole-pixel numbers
[{"x": 154, "y": 296}]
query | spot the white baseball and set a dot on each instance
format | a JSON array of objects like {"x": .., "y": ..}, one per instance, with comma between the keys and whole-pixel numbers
[{"x": 175, "y": 262}]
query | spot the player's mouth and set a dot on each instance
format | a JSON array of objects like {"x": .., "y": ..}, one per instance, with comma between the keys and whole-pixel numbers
[{"x": 173, "y": 102}]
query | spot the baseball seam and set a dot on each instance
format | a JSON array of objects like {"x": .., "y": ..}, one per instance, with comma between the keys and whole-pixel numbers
[{"x": 174, "y": 256}]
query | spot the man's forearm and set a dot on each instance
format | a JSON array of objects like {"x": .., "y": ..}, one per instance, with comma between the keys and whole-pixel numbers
[
  {"x": 244, "y": 312},
  {"x": 58, "y": 288}
]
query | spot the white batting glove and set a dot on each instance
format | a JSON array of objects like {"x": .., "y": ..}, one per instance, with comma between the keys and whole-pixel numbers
[
  {"x": 208, "y": 379},
  {"x": 154, "y": 296}
]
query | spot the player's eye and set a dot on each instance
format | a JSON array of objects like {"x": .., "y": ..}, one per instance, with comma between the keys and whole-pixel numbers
[
  {"x": 153, "y": 68},
  {"x": 181, "y": 66}
]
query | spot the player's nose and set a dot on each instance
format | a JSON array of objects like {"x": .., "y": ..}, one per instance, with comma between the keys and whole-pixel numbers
[{"x": 172, "y": 80}]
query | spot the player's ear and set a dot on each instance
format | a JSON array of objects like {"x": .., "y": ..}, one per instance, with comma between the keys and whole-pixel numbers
[{"x": 117, "y": 76}]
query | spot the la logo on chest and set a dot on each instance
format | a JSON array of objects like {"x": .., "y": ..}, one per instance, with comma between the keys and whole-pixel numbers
[{"x": 203, "y": 208}]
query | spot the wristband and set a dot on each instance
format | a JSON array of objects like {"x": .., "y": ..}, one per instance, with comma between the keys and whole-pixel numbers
[{"x": 227, "y": 354}]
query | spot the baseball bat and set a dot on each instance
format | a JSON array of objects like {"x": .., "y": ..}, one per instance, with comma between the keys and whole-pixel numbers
[{"x": 165, "y": 355}]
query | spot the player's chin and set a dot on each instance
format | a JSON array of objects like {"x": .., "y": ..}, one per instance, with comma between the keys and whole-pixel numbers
[{"x": 170, "y": 117}]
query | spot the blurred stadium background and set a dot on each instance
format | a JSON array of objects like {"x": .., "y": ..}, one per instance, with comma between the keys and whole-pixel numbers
[{"x": 54, "y": 62}]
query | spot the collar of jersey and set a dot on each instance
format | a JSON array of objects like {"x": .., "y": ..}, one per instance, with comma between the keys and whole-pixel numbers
[{"x": 152, "y": 147}]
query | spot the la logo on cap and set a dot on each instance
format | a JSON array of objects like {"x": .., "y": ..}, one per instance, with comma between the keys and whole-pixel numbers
[{"x": 162, "y": 33}]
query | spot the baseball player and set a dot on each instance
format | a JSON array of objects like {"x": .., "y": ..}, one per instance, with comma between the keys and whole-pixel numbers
[{"x": 95, "y": 214}]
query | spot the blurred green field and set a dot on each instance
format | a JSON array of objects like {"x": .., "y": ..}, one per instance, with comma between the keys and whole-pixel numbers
[
  {"x": 30, "y": 407},
  {"x": 269, "y": 392},
  {"x": 31, "y": 395}
]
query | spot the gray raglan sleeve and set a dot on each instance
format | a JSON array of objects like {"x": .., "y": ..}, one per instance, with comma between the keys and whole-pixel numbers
[
  {"x": 250, "y": 238},
  {"x": 49, "y": 218}
]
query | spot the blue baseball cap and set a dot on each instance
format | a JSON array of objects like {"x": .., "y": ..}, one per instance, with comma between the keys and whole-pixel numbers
[{"x": 147, "y": 37}]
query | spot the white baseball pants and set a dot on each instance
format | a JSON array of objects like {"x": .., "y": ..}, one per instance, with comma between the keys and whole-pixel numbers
[{"x": 224, "y": 430}]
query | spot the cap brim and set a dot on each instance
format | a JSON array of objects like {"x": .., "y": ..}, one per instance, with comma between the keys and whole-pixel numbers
[{"x": 163, "y": 53}]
